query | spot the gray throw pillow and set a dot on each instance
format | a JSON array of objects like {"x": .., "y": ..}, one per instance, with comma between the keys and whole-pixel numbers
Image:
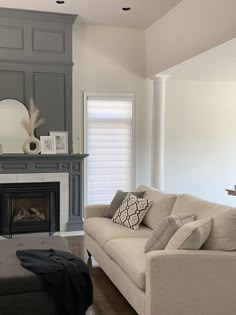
[{"x": 118, "y": 199}]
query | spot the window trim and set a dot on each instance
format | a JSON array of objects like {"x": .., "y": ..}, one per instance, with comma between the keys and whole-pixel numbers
[{"x": 133, "y": 150}]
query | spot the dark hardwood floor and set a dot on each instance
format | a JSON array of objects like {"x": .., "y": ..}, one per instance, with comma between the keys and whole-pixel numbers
[{"x": 107, "y": 299}]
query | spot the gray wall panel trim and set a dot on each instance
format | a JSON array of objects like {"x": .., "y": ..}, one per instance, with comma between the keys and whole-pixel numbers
[
  {"x": 37, "y": 62},
  {"x": 11, "y": 28},
  {"x": 76, "y": 203},
  {"x": 14, "y": 166},
  {"x": 48, "y": 47},
  {"x": 23, "y": 87},
  {"x": 67, "y": 112},
  {"x": 46, "y": 166},
  {"x": 52, "y": 31},
  {"x": 50, "y": 74},
  {"x": 75, "y": 226},
  {"x": 64, "y": 166},
  {"x": 38, "y": 15}
]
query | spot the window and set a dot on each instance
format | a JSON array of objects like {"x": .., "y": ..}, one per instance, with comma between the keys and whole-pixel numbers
[{"x": 109, "y": 143}]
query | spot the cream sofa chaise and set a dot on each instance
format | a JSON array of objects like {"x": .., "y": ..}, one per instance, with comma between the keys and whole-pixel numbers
[{"x": 168, "y": 282}]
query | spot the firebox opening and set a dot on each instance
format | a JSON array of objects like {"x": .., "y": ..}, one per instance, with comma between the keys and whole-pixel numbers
[{"x": 29, "y": 208}]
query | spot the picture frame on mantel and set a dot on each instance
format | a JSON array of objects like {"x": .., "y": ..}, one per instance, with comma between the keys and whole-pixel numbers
[
  {"x": 61, "y": 139},
  {"x": 48, "y": 144}
]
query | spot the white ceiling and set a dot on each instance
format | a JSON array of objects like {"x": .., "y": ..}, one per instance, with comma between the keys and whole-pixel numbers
[
  {"x": 216, "y": 64},
  {"x": 143, "y": 13}
]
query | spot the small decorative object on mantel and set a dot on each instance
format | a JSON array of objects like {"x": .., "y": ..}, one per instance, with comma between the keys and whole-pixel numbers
[
  {"x": 32, "y": 145},
  {"x": 1, "y": 149},
  {"x": 48, "y": 144},
  {"x": 61, "y": 138},
  {"x": 75, "y": 148}
]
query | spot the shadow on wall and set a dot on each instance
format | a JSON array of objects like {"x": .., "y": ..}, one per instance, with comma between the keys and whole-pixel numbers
[{"x": 103, "y": 47}]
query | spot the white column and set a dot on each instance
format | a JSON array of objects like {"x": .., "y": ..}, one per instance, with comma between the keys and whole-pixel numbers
[{"x": 158, "y": 128}]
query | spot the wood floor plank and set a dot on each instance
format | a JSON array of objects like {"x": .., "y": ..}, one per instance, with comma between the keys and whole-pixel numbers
[{"x": 107, "y": 299}]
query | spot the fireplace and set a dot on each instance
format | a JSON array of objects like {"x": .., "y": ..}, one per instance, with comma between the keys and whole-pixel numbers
[{"x": 29, "y": 208}]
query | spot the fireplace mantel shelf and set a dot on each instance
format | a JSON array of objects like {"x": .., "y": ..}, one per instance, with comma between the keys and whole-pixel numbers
[
  {"x": 17, "y": 163},
  {"x": 42, "y": 156},
  {"x": 53, "y": 163}
]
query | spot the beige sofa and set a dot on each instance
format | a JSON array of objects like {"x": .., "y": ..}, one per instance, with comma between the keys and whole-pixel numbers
[{"x": 168, "y": 282}]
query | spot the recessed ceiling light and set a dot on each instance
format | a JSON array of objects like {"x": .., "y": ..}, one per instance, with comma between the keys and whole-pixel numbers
[
  {"x": 60, "y": 2},
  {"x": 126, "y": 8}
]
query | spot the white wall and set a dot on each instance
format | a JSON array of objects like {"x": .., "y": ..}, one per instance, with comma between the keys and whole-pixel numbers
[
  {"x": 109, "y": 59},
  {"x": 200, "y": 139},
  {"x": 190, "y": 28}
]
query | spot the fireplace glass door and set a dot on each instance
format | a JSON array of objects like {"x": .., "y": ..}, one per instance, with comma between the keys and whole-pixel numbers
[{"x": 29, "y": 208}]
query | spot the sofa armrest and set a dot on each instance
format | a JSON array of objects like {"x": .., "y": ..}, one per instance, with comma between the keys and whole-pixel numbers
[
  {"x": 184, "y": 282},
  {"x": 95, "y": 211}
]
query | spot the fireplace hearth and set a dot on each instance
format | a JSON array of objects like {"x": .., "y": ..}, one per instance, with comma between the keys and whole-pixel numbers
[{"x": 29, "y": 208}]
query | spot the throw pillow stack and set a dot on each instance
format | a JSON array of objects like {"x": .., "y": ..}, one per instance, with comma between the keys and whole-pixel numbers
[
  {"x": 179, "y": 232},
  {"x": 165, "y": 230},
  {"x": 192, "y": 235}
]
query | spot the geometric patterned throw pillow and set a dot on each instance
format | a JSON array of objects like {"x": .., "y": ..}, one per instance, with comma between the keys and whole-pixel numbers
[{"x": 132, "y": 211}]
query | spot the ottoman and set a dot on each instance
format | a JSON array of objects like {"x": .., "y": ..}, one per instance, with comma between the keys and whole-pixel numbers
[{"x": 21, "y": 291}]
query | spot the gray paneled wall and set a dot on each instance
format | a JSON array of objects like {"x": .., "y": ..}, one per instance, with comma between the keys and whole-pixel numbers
[{"x": 36, "y": 61}]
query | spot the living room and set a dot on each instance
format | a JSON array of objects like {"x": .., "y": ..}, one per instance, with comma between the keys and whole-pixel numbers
[{"x": 150, "y": 50}]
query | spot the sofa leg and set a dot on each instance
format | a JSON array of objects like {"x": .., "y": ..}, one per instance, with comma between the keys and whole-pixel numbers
[{"x": 89, "y": 254}]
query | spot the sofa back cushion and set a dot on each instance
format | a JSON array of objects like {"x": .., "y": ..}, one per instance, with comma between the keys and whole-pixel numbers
[
  {"x": 223, "y": 233},
  {"x": 161, "y": 207}
]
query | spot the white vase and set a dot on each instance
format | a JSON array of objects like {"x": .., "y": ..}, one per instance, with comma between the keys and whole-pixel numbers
[{"x": 31, "y": 140}]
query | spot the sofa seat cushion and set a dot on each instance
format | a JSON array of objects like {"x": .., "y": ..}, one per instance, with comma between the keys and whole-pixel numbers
[
  {"x": 128, "y": 254},
  {"x": 103, "y": 230},
  {"x": 14, "y": 279},
  {"x": 223, "y": 232},
  {"x": 161, "y": 207}
]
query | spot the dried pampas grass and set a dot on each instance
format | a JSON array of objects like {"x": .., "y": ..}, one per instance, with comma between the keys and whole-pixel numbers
[{"x": 34, "y": 121}]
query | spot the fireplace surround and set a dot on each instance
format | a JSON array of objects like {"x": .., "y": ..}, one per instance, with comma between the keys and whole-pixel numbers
[{"x": 47, "y": 168}]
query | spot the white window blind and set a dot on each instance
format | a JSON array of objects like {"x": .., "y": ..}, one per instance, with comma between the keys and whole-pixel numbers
[{"x": 109, "y": 144}]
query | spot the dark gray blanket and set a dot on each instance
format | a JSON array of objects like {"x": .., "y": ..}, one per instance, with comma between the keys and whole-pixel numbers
[{"x": 66, "y": 277}]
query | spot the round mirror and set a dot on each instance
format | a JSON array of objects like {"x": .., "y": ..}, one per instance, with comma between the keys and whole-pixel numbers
[{"x": 12, "y": 133}]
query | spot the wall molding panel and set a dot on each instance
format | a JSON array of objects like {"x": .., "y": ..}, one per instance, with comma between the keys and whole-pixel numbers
[
  {"x": 36, "y": 61},
  {"x": 48, "y": 41},
  {"x": 11, "y": 37}
]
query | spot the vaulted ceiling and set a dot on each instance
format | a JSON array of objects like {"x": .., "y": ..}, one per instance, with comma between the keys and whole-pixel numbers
[
  {"x": 143, "y": 13},
  {"x": 216, "y": 64}
]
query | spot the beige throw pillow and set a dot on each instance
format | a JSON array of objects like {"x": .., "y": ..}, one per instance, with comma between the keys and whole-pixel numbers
[
  {"x": 132, "y": 211},
  {"x": 165, "y": 230},
  {"x": 191, "y": 235}
]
